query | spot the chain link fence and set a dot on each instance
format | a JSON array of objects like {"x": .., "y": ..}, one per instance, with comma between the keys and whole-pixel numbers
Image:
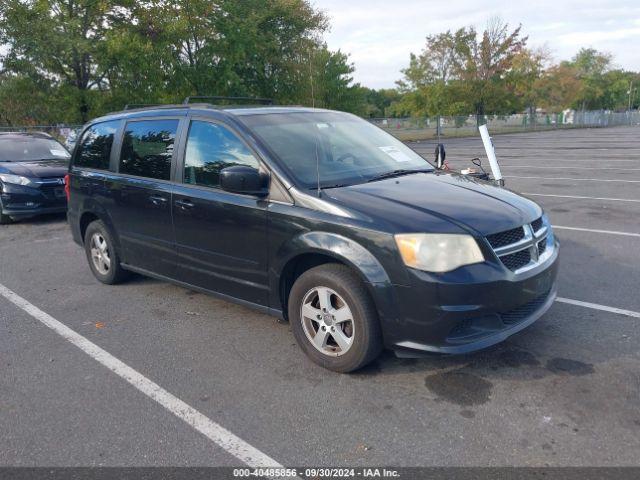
[
  {"x": 423, "y": 128},
  {"x": 65, "y": 134}
]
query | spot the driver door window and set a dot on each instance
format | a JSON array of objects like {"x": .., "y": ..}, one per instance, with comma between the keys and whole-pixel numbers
[{"x": 210, "y": 148}]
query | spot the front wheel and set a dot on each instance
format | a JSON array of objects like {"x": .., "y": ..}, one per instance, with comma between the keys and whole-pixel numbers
[{"x": 334, "y": 319}]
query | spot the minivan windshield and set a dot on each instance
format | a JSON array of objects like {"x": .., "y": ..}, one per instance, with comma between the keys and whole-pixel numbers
[
  {"x": 335, "y": 148},
  {"x": 24, "y": 148}
]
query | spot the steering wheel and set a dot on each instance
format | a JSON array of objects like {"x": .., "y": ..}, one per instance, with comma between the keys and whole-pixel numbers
[{"x": 343, "y": 157}]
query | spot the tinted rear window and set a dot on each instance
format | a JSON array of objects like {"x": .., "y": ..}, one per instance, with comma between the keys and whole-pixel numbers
[
  {"x": 147, "y": 148},
  {"x": 25, "y": 148},
  {"x": 95, "y": 148}
]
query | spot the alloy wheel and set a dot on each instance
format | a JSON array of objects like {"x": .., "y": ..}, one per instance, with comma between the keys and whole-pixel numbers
[
  {"x": 100, "y": 253},
  {"x": 327, "y": 321}
]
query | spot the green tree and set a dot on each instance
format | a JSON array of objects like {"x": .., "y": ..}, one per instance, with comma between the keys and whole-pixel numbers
[
  {"x": 524, "y": 77},
  {"x": 58, "y": 41},
  {"x": 378, "y": 103},
  {"x": 590, "y": 67},
  {"x": 484, "y": 61},
  {"x": 24, "y": 101},
  {"x": 97, "y": 55},
  {"x": 559, "y": 87},
  {"x": 463, "y": 72}
]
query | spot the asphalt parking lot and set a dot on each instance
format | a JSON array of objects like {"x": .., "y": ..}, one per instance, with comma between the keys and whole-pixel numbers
[{"x": 564, "y": 392}]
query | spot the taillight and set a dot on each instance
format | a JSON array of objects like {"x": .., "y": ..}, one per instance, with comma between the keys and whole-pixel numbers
[{"x": 67, "y": 187}]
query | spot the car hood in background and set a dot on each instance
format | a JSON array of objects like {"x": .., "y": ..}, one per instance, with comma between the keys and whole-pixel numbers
[
  {"x": 36, "y": 169},
  {"x": 437, "y": 202}
]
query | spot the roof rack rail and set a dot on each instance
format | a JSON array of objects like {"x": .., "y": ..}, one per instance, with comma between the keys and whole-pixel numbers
[
  {"x": 130, "y": 106},
  {"x": 266, "y": 101}
]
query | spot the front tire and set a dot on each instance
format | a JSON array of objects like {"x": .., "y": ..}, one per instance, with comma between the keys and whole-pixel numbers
[
  {"x": 102, "y": 254},
  {"x": 334, "y": 319}
]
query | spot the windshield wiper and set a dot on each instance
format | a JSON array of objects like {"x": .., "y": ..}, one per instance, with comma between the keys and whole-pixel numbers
[
  {"x": 334, "y": 185},
  {"x": 397, "y": 173}
]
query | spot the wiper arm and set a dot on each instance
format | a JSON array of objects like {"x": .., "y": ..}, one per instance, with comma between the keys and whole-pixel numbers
[
  {"x": 335, "y": 185},
  {"x": 397, "y": 173}
]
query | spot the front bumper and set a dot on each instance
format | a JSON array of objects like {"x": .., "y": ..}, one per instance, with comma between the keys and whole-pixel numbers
[
  {"x": 469, "y": 309},
  {"x": 20, "y": 201}
]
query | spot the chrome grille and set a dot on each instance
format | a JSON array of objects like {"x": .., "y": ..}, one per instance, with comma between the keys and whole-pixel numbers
[
  {"x": 53, "y": 192},
  {"x": 501, "y": 239},
  {"x": 517, "y": 260},
  {"x": 542, "y": 246},
  {"x": 523, "y": 247},
  {"x": 536, "y": 224}
]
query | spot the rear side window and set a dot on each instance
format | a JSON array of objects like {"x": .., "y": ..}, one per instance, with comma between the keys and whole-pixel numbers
[
  {"x": 210, "y": 148},
  {"x": 147, "y": 148},
  {"x": 95, "y": 148}
]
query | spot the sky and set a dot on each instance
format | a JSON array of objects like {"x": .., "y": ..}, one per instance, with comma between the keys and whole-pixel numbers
[{"x": 378, "y": 35}]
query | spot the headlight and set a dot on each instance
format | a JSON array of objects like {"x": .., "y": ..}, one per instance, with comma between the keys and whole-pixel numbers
[
  {"x": 434, "y": 252},
  {"x": 15, "y": 179}
]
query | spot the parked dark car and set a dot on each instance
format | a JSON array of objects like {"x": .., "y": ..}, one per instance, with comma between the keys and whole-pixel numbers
[
  {"x": 32, "y": 170},
  {"x": 314, "y": 216}
]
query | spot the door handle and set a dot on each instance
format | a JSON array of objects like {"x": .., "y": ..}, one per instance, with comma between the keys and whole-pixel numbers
[
  {"x": 157, "y": 200},
  {"x": 184, "y": 204}
]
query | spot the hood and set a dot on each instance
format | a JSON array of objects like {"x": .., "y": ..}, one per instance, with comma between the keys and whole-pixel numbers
[
  {"x": 36, "y": 169},
  {"x": 437, "y": 202}
]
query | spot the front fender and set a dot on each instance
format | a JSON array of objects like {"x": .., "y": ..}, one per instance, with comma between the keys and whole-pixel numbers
[{"x": 346, "y": 251}]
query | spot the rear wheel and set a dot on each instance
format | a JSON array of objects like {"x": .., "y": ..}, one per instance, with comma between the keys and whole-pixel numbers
[
  {"x": 102, "y": 254},
  {"x": 333, "y": 318}
]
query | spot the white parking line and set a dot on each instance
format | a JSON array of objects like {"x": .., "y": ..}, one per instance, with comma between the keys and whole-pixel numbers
[
  {"x": 576, "y": 167},
  {"x": 214, "y": 432},
  {"x": 577, "y": 179},
  {"x": 595, "y": 306},
  {"x": 611, "y": 232},
  {"x": 583, "y": 198}
]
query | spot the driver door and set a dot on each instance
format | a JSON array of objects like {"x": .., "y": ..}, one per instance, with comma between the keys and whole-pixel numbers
[{"x": 221, "y": 237}]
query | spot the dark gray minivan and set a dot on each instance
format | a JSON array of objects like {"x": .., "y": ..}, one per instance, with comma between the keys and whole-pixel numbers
[{"x": 314, "y": 216}]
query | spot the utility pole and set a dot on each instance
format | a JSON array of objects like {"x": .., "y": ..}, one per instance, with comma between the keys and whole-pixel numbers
[{"x": 630, "y": 93}]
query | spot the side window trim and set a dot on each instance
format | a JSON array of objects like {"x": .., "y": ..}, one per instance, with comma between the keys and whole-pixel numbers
[
  {"x": 115, "y": 148},
  {"x": 123, "y": 128},
  {"x": 179, "y": 178},
  {"x": 81, "y": 138}
]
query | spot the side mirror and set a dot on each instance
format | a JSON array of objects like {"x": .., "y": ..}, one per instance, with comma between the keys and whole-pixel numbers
[{"x": 243, "y": 179}]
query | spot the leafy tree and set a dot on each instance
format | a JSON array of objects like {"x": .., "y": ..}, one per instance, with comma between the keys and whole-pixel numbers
[
  {"x": 439, "y": 61},
  {"x": 559, "y": 87},
  {"x": 378, "y": 103},
  {"x": 97, "y": 55},
  {"x": 26, "y": 102},
  {"x": 525, "y": 74},
  {"x": 484, "y": 62},
  {"x": 590, "y": 67},
  {"x": 58, "y": 41},
  {"x": 328, "y": 82},
  {"x": 617, "y": 85},
  {"x": 463, "y": 71}
]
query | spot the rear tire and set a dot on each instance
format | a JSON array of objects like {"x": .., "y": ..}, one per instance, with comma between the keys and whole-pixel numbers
[
  {"x": 102, "y": 254},
  {"x": 334, "y": 319}
]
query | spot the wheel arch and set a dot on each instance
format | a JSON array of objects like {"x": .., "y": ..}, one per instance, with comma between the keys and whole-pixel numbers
[
  {"x": 317, "y": 248},
  {"x": 93, "y": 213}
]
